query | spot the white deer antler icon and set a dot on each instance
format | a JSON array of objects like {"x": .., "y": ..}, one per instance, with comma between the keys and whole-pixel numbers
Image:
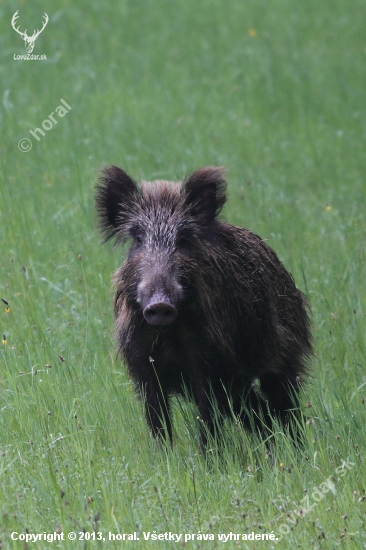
[{"x": 29, "y": 40}]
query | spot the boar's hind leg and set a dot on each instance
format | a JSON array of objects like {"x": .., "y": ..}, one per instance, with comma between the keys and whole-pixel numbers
[
  {"x": 283, "y": 396},
  {"x": 253, "y": 411},
  {"x": 157, "y": 412}
]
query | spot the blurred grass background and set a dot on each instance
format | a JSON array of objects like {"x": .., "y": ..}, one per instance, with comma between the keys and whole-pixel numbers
[{"x": 273, "y": 91}]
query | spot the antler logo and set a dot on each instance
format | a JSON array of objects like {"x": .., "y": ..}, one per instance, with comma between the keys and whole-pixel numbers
[{"x": 29, "y": 40}]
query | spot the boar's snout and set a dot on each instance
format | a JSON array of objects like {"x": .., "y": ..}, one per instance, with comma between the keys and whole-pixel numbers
[{"x": 159, "y": 311}]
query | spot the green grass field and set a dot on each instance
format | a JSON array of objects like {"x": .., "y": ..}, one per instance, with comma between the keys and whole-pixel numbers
[{"x": 273, "y": 91}]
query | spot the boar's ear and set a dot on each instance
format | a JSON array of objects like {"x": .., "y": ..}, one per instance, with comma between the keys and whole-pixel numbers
[
  {"x": 205, "y": 193},
  {"x": 116, "y": 193}
]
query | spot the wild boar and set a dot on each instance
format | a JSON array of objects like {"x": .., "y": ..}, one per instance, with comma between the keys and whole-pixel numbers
[{"x": 201, "y": 305}]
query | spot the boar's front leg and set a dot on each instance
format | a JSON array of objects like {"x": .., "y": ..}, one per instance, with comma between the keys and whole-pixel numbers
[
  {"x": 157, "y": 411},
  {"x": 202, "y": 401}
]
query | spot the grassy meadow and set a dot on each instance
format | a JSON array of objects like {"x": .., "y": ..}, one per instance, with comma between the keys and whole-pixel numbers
[{"x": 276, "y": 93}]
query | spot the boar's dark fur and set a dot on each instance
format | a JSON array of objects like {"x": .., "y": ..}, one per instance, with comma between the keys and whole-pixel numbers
[{"x": 201, "y": 304}]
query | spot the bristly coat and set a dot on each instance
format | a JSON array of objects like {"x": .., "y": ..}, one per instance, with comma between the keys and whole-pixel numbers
[{"x": 200, "y": 303}]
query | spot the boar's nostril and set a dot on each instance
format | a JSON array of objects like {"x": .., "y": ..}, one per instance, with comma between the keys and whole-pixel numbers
[{"x": 160, "y": 314}]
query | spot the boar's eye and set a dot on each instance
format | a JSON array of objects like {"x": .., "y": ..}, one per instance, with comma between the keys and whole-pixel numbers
[
  {"x": 139, "y": 239},
  {"x": 184, "y": 244}
]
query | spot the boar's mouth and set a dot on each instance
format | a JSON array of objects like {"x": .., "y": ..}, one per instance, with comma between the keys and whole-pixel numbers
[{"x": 159, "y": 311}]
